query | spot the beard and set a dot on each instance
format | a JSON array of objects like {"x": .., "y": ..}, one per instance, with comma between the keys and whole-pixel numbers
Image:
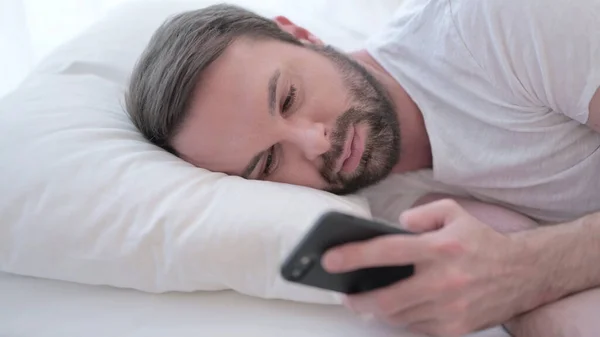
[{"x": 371, "y": 106}]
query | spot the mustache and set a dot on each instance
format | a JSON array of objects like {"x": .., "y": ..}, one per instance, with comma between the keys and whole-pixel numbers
[{"x": 338, "y": 140}]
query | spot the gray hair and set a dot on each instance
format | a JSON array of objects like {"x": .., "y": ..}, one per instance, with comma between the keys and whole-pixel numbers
[{"x": 166, "y": 75}]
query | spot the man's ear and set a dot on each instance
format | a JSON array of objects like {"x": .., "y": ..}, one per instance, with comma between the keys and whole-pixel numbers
[{"x": 298, "y": 32}]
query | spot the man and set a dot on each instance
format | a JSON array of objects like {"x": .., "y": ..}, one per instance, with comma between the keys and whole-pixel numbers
[{"x": 499, "y": 97}]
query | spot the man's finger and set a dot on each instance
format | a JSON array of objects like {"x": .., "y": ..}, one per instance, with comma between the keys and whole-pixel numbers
[
  {"x": 430, "y": 217},
  {"x": 389, "y": 250},
  {"x": 403, "y": 297}
]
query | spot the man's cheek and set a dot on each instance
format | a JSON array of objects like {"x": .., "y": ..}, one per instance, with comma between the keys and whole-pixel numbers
[{"x": 301, "y": 175}]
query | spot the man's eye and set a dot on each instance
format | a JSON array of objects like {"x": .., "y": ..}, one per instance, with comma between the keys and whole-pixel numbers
[{"x": 289, "y": 100}]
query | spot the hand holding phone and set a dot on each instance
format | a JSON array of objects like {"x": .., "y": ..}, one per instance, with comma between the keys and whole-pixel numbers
[{"x": 332, "y": 229}]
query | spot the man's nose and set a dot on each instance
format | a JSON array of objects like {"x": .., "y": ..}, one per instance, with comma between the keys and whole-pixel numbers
[{"x": 311, "y": 138}]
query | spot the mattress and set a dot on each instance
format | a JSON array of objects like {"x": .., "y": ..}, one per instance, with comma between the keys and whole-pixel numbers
[{"x": 31, "y": 307}]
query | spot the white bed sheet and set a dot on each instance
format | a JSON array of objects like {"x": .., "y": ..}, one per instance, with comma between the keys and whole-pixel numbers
[{"x": 32, "y": 307}]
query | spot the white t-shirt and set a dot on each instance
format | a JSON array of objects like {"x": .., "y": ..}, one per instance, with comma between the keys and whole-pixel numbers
[{"x": 504, "y": 87}]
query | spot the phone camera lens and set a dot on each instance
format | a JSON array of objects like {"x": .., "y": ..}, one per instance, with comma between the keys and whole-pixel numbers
[
  {"x": 305, "y": 260},
  {"x": 302, "y": 267}
]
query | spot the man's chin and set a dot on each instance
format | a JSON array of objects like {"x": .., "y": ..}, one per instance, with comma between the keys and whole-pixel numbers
[
  {"x": 351, "y": 186},
  {"x": 359, "y": 183}
]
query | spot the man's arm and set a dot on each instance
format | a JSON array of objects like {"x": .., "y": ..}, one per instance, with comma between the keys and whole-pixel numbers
[
  {"x": 469, "y": 276},
  {"x": 577, "y": 250},
  {"x": 568, "y": 255},
  {"x": 574, "y": 315}
]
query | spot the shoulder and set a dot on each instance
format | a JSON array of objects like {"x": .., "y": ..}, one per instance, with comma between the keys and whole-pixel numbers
[
  {"x": 488, "y": 17},
  {"x": 493, "y": 8},
  {"x": 504, "y": 38},
  {"x": 514, "y": 16}
]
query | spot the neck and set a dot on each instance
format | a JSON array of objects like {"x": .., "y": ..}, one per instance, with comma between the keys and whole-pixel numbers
[{"x": 415, "y": 149}]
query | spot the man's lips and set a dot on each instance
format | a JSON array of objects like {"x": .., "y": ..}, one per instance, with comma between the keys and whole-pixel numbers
[{"x": 353, "y": 151}]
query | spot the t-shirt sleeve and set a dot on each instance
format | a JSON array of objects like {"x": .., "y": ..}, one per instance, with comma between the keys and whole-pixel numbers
[{"x": 543, "y": 53}]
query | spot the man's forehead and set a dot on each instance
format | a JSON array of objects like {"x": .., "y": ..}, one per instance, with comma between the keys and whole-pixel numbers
[{"x": 225, "y": 115}]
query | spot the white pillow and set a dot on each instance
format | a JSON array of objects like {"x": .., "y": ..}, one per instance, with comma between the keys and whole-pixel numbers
[{"x": 86, "y": 199}]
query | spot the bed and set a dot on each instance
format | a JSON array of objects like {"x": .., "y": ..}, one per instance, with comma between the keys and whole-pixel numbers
[
  {"x": 31, "y": 307},
  {"x": 102, "y": 234}
]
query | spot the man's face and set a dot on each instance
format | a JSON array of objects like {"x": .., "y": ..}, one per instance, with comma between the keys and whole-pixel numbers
[{"x": 274, "y": 111}]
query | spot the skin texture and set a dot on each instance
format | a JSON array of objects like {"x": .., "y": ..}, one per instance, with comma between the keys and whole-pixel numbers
[
  {"x": 308, "y": 139},
  {"x": 300, "y": 128},
  {"x": 323, "y": 100},
  {"x": 573, "y": 316},
  {"x": 469, "y": 275}
]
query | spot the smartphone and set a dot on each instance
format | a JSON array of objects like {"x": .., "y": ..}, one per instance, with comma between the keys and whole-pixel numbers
[{"x": 303, "y": 265}]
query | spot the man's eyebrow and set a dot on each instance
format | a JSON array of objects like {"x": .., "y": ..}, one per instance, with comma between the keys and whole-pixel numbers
[{"x": 272, "y": 89}]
